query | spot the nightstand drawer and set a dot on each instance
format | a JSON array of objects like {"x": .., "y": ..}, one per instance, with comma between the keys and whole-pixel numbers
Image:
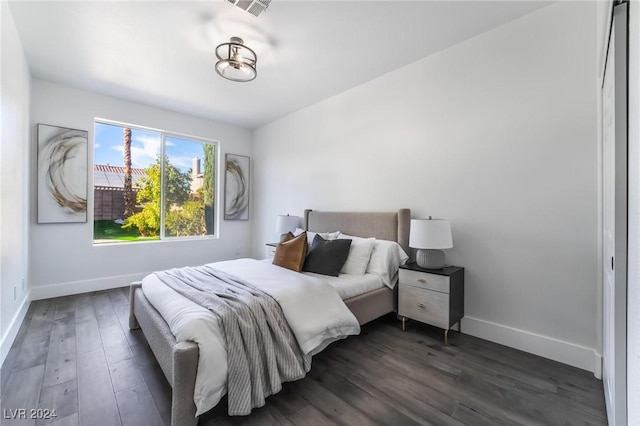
[
  {"x": 425, "y": 280},
  {"x": 430, "y": 307},
  {"x": 269, "y": 252}
]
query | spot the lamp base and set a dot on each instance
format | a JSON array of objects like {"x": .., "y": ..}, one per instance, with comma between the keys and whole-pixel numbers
[{"x": 430, "y": 258}]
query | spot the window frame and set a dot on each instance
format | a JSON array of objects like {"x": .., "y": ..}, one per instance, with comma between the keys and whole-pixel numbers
[{"x": 164, "y": 134}]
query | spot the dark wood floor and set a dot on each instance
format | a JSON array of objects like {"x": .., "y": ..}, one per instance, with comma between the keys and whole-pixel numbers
[{"x": 76, "y": 355}]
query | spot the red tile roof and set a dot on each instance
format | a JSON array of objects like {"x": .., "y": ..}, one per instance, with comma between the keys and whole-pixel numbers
[
  {"x": 116, "y": 169},
  {"x": 110, "y": 177}
]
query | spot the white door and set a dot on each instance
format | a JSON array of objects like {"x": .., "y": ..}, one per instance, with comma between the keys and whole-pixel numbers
[
  {"x": 608, "y": 229},
  {"x": 614, "y": 220}
]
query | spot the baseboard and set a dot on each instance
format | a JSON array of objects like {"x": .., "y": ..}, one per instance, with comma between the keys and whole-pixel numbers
[
  {"x": 14, "y": 326},
  {"x": 84, "y": 286},
  {"x": 597, "y": 368},
  {"x": 537, "y": 344}
]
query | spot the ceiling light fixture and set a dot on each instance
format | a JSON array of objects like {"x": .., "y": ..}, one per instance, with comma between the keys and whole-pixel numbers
[
  {"x": 254, "y": 7},
  {"x": 236, "y": 62}
]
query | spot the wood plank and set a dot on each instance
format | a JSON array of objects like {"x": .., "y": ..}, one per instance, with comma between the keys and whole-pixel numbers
[
  {"x": 96, "y": 399},
  {"x": 329, "y": 404},
  {"x": 159, "y": 388},
  {"x": 117, "y": 297},
  {"x": 414, "y": 401},
  {"x": 71, "y": 420},
  {"x": 408, "y": 387},
  {"x": 399, "y": 384},
  {"x": 563, "y": 375},
  {"x": 64, "y": 326},
  {"x": 142, "y": 352},
  {"x": 495, "y": 366},
  {"x": 592, "y": 403},
  {"x": 560, "y": 405},
  {"x": 87, "y": 335},
  {"x": 527, "y": 405},
  {"x": 288, "y": 401},
  {"x": 216, "y": 421},
  {"x": 377, "y": 411},
  {"x": 420, "y": 356},
  {"x": 115, "y": 344},
  {"x": 84, "y": 307},
  {"x": 456, "y": 390},
  {"x": 61, "y": 362},
  {"x": 310, "y": 416},
  {"x": 34, "y": 349},
  {"x": 35, "y": 345},
  {"x": 266, "y": 416},
  {"x": 12, "y": 356},
  {"x": 104, "y": 310},
  {"x": 31, "y": 309},
  {"x": 125, "y": 291},
  {"x": 122, "y": 313},
  {"x": 125, "y": 374},
  {"x": 471, "y": 416},
  {"x": 43, "y": 311},
  {"x": 507, "y": 377},
  {"x": 137, "y": 407},
  {"x": 22, "y": 393},
  {"x": 62, "y": 397},
  {"x": 64, "y": 305}
]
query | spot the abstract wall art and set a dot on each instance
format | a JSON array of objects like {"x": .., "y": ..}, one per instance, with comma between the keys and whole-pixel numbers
[
  {"x": 62, "y": 174},
  {"x": 236, "y": 187}
]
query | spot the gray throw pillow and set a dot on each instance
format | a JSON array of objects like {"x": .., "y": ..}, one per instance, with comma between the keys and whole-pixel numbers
[{"x": 327, "y": 257}]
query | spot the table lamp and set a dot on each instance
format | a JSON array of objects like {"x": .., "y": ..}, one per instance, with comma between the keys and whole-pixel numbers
[
  {"x": 430, "y": 236},
  {"x": 286, "y": 223}
]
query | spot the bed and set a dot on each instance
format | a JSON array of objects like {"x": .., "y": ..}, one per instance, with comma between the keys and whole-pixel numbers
[{"x": 179, "y": 360}]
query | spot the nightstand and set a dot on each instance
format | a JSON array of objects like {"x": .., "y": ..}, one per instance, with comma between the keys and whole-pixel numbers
[
  {"x": 431, "y": 296},
  {"x": 270, "y": 250}
]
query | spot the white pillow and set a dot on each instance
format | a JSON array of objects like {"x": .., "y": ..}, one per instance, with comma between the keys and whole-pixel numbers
[
  {"x": 312, "y": 235},
  {"x": 385, "y": 260},
  {"x": 359, "y": 254}
]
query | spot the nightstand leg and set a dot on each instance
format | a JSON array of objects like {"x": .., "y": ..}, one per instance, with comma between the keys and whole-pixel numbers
[
  {"x": 446, "y": 337},
  {"x": 403, "y": 320},
  {"x": 459, "y": 326}
]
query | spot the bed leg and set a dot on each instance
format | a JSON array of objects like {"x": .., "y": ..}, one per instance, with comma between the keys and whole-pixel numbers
[
  {"x": 185, "y": 365},
  {"x": 133, "y": 322}
]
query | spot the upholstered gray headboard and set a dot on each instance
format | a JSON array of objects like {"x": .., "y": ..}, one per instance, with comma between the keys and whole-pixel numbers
[{"x": 392, "y": 226}]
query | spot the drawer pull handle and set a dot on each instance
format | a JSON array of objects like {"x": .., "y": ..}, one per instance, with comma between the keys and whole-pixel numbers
[
  {"x": 422, "y": 281},
  {"x": 421, "y": 305}
]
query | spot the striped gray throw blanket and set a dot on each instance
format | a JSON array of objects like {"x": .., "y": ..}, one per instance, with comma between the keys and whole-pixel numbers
[{"x": 262, "y": 352}]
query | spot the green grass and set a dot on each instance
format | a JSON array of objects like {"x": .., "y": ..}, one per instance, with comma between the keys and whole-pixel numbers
[{"x": 109, "y": 230}]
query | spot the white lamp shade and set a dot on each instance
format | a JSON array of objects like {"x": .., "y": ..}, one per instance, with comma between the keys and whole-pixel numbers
[
  {"x": 430, "y": 234},
  {"x": 286, "y": 223}
]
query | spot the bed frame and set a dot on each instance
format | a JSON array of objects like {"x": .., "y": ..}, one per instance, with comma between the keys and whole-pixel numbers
[{"x": 179, "y": 360}]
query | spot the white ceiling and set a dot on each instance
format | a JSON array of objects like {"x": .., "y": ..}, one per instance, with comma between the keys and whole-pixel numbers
[{"x": 161, "y": 53}]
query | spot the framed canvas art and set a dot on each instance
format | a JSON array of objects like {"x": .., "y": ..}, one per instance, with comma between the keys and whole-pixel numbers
[
  {"x": 62, "y": 174},
  {"x": 236, "y": 187}
]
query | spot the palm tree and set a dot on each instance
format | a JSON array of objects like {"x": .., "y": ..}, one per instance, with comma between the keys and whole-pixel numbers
[
  {"x": 208, "y": 186},
  {"x": 129, "y": 196}
]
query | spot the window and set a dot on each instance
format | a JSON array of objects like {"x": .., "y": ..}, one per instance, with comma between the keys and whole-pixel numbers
[{"x": 138, "y": 197}]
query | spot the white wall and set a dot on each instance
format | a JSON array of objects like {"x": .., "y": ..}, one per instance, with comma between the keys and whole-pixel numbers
[
  {"x": 497, "y": 134},
  {"x": 63, "y": 257},
  {"x": 14, "y": 187}
]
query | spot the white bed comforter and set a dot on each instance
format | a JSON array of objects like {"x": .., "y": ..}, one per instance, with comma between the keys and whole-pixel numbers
[{"x": 314, "y": 310}]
